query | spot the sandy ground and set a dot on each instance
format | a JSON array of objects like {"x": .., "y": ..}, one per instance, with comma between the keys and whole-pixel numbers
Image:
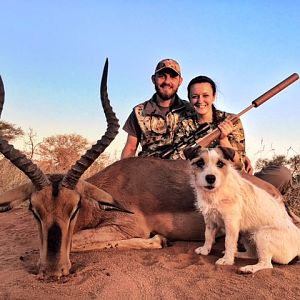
[{"x": 175, "y": 272}]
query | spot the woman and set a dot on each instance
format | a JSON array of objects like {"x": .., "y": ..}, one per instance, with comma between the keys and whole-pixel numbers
[{"x": 202, "y": 95}]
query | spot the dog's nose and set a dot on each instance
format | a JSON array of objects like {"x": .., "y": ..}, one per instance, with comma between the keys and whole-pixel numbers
[{"x": 210, "y": 178}]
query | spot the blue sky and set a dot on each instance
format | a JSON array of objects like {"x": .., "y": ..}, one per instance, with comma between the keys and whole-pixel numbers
[{"x": 52, "y": 54}]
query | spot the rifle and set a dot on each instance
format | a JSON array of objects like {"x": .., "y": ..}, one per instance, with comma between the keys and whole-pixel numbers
[{"x": 196, "y": 139}]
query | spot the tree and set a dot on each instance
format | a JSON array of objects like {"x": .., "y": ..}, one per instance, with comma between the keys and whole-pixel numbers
[
  {"x": 59, "y": 152},
  {"x": 294, "y": 163},
  {"x": 278, "y": 160},
  {"x": 100, "y": 163},
  {"x": 9, "y": 131},
  {"x": 56, "y": 154},
  {"x": 30, "y": 144}
]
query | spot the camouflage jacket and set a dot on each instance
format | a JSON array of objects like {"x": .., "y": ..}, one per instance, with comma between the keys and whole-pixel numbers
[{"x": 161, "y": 128}]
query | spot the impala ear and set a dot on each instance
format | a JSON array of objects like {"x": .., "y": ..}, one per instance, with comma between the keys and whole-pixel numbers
[
  {"x": 20, "y": 193},
  {"x": 88, "y": 190},
  {"x": 228, "y": 153},
  {"x": 12, "y": 198}
]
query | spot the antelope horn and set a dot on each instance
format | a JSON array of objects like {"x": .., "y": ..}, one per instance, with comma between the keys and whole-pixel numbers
[
  {"x": 71, "y": 178},
  {"x": 2, "y": 94},
  {"x": 38, "y": 178}
]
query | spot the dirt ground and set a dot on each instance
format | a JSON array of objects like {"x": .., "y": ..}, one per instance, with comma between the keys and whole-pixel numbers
[{"x": 175, "y": 272}]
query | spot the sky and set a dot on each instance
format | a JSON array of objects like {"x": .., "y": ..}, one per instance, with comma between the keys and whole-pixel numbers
[{"x": 52, "y": 54}]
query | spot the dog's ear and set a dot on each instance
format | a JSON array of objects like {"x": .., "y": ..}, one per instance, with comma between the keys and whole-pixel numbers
[
  {"x": 191, "y": 152},
  {"x": 227, "y": 152}
]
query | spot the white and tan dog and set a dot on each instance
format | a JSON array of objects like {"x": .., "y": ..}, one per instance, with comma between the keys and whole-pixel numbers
[{"x": 227, "y": 200}]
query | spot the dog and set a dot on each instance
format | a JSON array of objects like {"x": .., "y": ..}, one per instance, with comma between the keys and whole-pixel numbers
[{"x": 229, "y": 201}]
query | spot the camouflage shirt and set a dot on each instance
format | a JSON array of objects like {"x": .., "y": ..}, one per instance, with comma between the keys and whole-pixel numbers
[{"x": 157, "y": 127}]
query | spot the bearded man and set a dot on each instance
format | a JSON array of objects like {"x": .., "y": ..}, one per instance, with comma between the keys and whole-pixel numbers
[{"x": 162, "y": 120}]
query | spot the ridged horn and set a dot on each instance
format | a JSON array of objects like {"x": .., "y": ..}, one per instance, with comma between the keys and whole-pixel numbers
[
  {"x": 2, "y": 94},
  {"x": 71, "y": 178},
  {"x": 38, "y": 178}
]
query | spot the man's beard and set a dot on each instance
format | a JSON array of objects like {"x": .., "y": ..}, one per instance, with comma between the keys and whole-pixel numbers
[{"x": 164, "y": 96}]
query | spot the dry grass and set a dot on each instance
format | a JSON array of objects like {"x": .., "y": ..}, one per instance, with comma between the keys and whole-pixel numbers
[{"x": 292, "y": 199}]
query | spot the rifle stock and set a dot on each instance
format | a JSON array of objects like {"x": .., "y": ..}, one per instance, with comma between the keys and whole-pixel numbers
[{"x": 209, "y": 138}]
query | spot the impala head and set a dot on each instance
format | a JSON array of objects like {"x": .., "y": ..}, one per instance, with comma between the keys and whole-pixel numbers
[{"x": 55, "y": 200}]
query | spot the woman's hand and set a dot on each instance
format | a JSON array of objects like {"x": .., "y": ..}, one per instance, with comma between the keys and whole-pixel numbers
[{"x": 226, "y": 127}]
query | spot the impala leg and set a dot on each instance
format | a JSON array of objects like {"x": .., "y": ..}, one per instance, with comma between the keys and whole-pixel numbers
[{"x": 109, "y": 237}]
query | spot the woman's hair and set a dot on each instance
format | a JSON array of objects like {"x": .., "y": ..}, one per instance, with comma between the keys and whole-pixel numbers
[{"x": 202, "y": 79}]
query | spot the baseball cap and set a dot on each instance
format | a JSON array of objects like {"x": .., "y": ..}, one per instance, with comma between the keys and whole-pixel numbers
[{"x": 168, "y": 64}]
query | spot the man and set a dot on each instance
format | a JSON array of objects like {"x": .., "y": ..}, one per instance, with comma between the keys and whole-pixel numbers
[{"x": 162, "y": 120}]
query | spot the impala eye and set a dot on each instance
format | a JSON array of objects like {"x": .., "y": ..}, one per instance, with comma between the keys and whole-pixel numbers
[
  {"x": 200, "y": 163},
  {"x": 220, "y": 164}
]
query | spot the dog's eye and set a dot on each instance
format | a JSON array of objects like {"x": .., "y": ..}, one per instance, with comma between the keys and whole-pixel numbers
[
  {"x": 200, "y": 163},
  {"x": 220, "y": 164}
]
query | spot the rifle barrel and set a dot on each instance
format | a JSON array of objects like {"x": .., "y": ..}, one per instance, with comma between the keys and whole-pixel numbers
[
  {"x": 270, "y": 93},
  {"x": 206, "y": 140},
  {"x": 275, "y": 90}
]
